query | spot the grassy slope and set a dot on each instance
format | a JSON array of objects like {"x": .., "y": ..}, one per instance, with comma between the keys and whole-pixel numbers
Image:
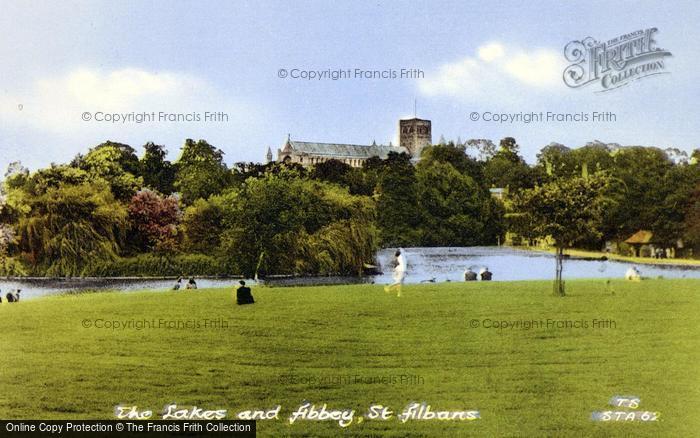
[{"x": 525, "y": 382}]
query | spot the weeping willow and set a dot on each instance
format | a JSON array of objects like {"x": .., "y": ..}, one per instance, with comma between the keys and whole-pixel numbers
[
  {"x": 342, "y": 247},
  {"x": 72, "y": 228}
]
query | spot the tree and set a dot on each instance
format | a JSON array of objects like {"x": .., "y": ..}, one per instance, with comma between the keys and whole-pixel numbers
[
  {"x": 637, "y": 175},
  {"x": 154, "y": 218},
  {"x": 565, "y": 210},
  {"x": 397, "y": 205},
  {"x": 283, "y": 224},
  {"x": 676, "y": 190},
  {"x": 454, "y": 210},
  {"x": 157, "y": 172},
  {"x": 7, "y": 238},
  {"x": 455, "y": 156},
  {"x": 334, "y": 171},
  {"x": 692, "y": 221},
  {"x": 203, "y": 225},
  {"x": 507, "y": 168},
  {"x": 201, "y": 171},
  {"x": 484, "y": 149},
  {"x": 556, "y": 159},
  {"x": 337, "y": 172},
  {"x": 7, "y": 233},
  {"x": 72, "y": 227},
  {"x": 117, "y": 164},
  {"x": 695, "y": 157}
]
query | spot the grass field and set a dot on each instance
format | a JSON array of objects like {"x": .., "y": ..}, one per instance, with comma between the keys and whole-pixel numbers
[{"x": 335, "y": 344}]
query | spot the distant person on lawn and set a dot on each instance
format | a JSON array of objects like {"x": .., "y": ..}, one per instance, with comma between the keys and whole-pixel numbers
[
  {"x": 399, "y": 273},
  {"x": 191, "y": 284},
  {"x": 13, "y": 296},
  {"x": 469, "y": 275},
  {"x": 486, "y": 275},
  {"x": 243, "y": 294},
  {"x": 178, "y": 285},
  {"x": 633, "y": 274}
]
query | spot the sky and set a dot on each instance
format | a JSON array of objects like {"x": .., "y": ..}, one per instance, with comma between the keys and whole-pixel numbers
[{"x": 67, "y": 66}]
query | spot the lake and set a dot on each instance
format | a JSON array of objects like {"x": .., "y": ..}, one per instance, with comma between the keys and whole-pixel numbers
[
  {"x": 508, "y": 264},
  {"x": 424, "y": 264}
]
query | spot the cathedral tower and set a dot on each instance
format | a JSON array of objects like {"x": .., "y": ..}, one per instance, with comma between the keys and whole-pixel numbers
[{"x": 414, "y": 135}]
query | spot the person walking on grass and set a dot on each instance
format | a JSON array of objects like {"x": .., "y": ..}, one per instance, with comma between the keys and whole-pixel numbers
[{"x": 399, "y": 273}]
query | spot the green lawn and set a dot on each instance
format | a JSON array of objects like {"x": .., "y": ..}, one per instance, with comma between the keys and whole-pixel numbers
[{"x": 313, "y": 343}]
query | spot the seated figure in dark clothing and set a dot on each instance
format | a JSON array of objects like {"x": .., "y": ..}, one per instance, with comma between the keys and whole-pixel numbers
[
  {"x": 243, "y": 294},
  {"x": 13, "y": 296},
  {"x": 469, "y": 275},
  {"x": 486, "y": 274}
]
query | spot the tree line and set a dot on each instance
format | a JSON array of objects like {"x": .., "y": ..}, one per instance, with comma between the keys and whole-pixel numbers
[{"x": 113, "y": 212}]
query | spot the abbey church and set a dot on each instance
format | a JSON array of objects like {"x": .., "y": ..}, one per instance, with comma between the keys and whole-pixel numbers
[{"x": 414, "y": 135}]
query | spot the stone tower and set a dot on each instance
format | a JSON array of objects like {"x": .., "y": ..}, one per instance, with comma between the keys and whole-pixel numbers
[
  {"x": 269, "y": 155},
  {"x": 414, "y": 135}
]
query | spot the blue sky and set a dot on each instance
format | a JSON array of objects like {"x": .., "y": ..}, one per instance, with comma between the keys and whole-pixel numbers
[{"x": 60, "y": 60}]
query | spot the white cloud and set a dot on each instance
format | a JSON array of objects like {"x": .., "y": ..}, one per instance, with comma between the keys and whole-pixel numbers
[
  {"x": 490, "y": 52},
  {"x": 498, "y": 71},
  {"x": 52, "y": 108},
  {"x": 57, "y": 103}
]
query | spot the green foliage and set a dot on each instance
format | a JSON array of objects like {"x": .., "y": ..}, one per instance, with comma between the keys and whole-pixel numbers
[
  {"x": 454, "y": 209},
  {"x": 282, "y": 218},
  {"x": 148, "y": 265},
  {"x": 52, "y": 177},
  {"x": 637, "y": 175},
  {"x": 279, "y": 217},
  {"x": 333, "y": 171},
  {"x": 12, "y": 267},
  {"x": 456, "y": 157},
  {"x": 507, "y": 169},
  {"x": 201, "y": 171},
  {"x": 117, "y": 164},
  {"x": 157, "y": 172},
  {"x": 692, "y": 220},
  {"x": 567, "y": 210},
  {"x": 203, "y": 225},
  {"x": 71, "y": 227},
  {"x": 397, "y": 203}
]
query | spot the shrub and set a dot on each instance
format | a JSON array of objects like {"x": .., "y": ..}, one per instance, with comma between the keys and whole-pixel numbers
[{"x": 152, "y": 265}]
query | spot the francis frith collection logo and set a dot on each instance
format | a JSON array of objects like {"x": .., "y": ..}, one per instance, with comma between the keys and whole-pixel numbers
[{"x": 614, "y": 63}]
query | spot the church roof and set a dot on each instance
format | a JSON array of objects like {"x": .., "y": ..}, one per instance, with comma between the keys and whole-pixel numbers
[{"x": 343, "y": 150}]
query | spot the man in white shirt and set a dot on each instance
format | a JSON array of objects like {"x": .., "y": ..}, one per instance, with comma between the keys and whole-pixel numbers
[{"x": 399, "y": 273}]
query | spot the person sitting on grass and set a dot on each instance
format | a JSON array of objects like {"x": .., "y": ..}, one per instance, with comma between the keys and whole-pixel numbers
[
  {"x": 243, "y": 294},
  {"x": 178, "y": 285},
  {"x": 469, "y": 275},
  {"x": 13, "y": 296},
  {"x": 191, "y": 284},
  {"x": 486, "y": 275},
  {"x": 633, "y": 274}
]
